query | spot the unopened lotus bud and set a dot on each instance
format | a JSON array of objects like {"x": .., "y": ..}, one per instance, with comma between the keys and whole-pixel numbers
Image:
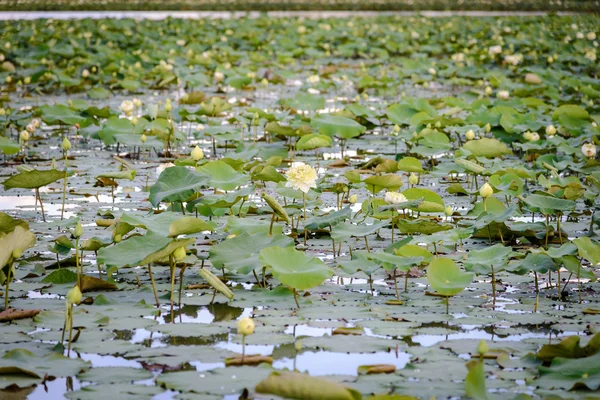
[
  {"x": 66, "y": 145},
  {"x": 24, "y": 136},
  {"x": 550, "y": 130},
  {"x": 487, "y": 128},
  {"x": 298, "y": 345},
  {"x": 143, "y": 138},
  {"x": 78, "y": 230},
  {"x": 396, "y": 129},
  {"x": 179, "y": 253},
  {"x": 470, "y": 135},
  {"x": 197, "y": 154},
  {"x": 482, "y": 347},
  {"x": 74, "y": 295},
  {"x": 353, "y": 199},
  {"x": 17, "y": 253},
  {"x": 118, "y": 237},
  {"x": 486, "y": 191},
  {"x": 245, "y": 326},
  {"x": 413, "y": 179},
  {"x": 448, "y": 211}
]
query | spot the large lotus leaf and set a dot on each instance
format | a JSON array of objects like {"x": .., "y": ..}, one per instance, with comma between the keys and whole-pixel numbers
[
  {"x": 237, "y": 226},
  {"x": 24, "y": 362},
  {"x": 167, "y": 223},
  {"x": 351, "y": 267},
  {"x": 570, "y": 110},
  {"x": 240, "y": 254},
  {"x": 294, "y": 268},
  {"x": 222, "y": 132},
  {"x": 565, "y": 250},
  {"x": 19, "y": 238},
  {"x": 488, "y": 217},
  {"x": 548, "y": 204},
  {"x": 34, "y": 179},
  {"x": 129, "y": 175},
  {"x": 486, "y": 147},
  {"x": 540, "y": 263},
  {"x": 57, "y": 114},
  {"x": 176, "y": 184},
  {"x": 432, "y": 202},
  {"x": 410, "y": 164},
  {"x": 328, "y": 220},
  {"x": 333, "y": 125},
  {"x": 571, "y": 374},
  {"x": 140, "y": 250},
  {"x": 413, "y": 250},
  {"x": 509, "y": 183},
  {"x": 588, "y": 249},
  {"x": 7, "y": 146},
  {"x": 379, "y": 182},
  {"x": 389, "y": 261},
  {"x": 344, "y": 231},
  {"x": 569, "y": 348},
  {"x": 221, "y": 200},
  {"x": 404, "y": 114},
  {"x": 495, "y": 255},
  {"x": 278, "y": 129},
  {"x": 115, "y": 126},
  {"x": 224, "y": 382},
  {"x": 294, "y": 385},
  {"x": 313, "y": 141},
  {"x": 276, "y": 207},
  {"x": 446, "y": 278},
  {"x": 223, "y": 176},
  {"x": 423, "y": 226}
]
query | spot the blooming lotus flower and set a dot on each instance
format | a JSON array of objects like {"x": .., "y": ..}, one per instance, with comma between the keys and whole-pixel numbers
[
  {"x": 534, "y": 137},
  {"x": 127, "y": 107},
  {"x": 493, "y": 50},
  {"x": 503, "y": 95},
  {"x": 301, "y": 177},
  {"x": 394, "y": 198},
  {"x": 588, "y": 150}
]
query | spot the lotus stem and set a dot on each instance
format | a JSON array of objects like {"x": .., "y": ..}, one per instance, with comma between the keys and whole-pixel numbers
[
  {"x": 7, "y": 287},
  {"x": 37, "y": 193},
  {"x": 304, "y": 205},
  {"x": 493, "y": 287},
  {"x": 447, "y": 305},
  {"x": 367, "y": 244},
  {"x": 579, "y": 281},
  {"x": 392, "y": 226},
  {"x": 153, "y": 286},
  {"x": 172, "y": 267},
  {"x": 62, "y": 212},
  {"x": 558, "y": 284},
  {"x": 70, "y": 329},
  {"x": 271, "y": 225},
  {"x": 558, "y": 217},
  {"x": 77, "y": 263},
  {"x": 396, "y": 285},
  {"x": 296, "y": 297},
  {"x": 243, "y": 348},
  {"x": 547, "y": 229},
  {"x": 406, "y": 282}
]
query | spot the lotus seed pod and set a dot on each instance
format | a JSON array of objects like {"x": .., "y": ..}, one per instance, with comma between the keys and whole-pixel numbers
[
  {"x": 179, "y": 253},
  {"x": 245, "y": 326},
  {"x": 66, "y": 145},
  {"x": 197, "y": 154},
  {"x": 486, "y": 191},
  {"x": 74, "y": 295}
]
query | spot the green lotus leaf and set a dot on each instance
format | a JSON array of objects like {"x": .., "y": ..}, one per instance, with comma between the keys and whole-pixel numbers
[
  {"x": 176, "y": 184},
  {"x": 294, "y": 268},
  {"x": 446, "y": 278}
]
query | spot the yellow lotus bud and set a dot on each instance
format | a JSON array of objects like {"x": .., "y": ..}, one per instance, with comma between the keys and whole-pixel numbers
[
  {"x": 245, "y": 326},
  {"x": 143, "y": 138},
  {"x": 2, "y": 112},
  {"x": 66, "y": 145},
  {"x": 488, "y": 91},
  {"x": 74, "y": 295},
  {"x": 78, "y": 230},
  {"x": 413, "y": 179},
  {"x": 17, "y": 253},
  {"x": 168, "y": 106},
  {"x": 179, "y": 253},
  {"x": 470, "y": 135},
  {"x": 298, "y": 345},
  {"x": 482, "y": 347},
  {"x": 438, "y": 124},
  {"x": 197, "y": 154},
  {"x": 134, "y": 121},
  {"x": 118, "y": 238},
  {"x": 24, "y": 136},
  {"x": 396, "y": 129},
  {"x": 448, "y": 211},
  {"x": 550, "y": 130},
  {"x": 353, "y": 199},
  {"x": 486, "y": 191},
  {"x": 488, "y": 128}
]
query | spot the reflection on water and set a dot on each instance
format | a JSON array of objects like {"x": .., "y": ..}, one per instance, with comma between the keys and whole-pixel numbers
[
  {"x": 201, "y": 314},
  {"x": 29, "y": 203},
  {"x": 329, "y": 363},
  {"x": 55, "y": 389},
  {"x": 430, "y": 340}
]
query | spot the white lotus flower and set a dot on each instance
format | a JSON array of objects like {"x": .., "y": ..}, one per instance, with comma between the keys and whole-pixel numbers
[
  {"x": 394, "y": 198},
  {"x": 493, "y": 50},
  {"x": 302, "y": 177},
  {"x": 127, "y": 107},
  {"x": 588, "y": 150}
]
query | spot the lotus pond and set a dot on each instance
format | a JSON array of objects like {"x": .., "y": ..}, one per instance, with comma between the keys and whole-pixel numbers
[{"x": 344, "y": 208}]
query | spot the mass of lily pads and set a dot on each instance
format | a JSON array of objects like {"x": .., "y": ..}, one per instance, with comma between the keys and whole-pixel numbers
[{"x": 330, "y": 208}]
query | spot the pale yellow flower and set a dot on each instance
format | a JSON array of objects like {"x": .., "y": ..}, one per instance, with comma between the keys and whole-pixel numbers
[
  {"x": 302, "y": 177},
  {"x": 394, "y": 198}
]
